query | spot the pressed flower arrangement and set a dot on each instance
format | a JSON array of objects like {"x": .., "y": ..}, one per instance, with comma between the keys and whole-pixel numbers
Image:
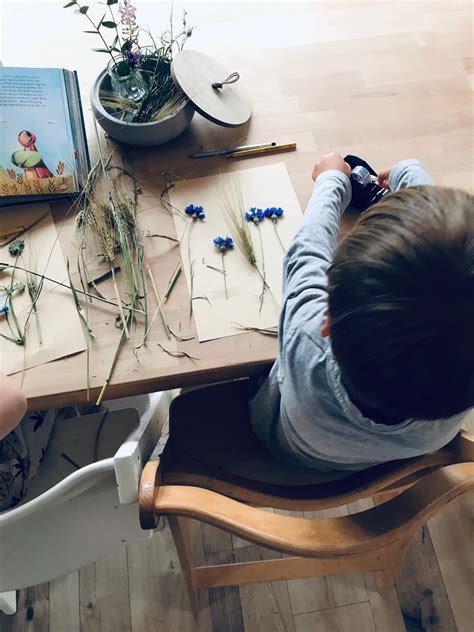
[
  {"x": 238, "y": 221},
  {"x": 142, "y": 87}
]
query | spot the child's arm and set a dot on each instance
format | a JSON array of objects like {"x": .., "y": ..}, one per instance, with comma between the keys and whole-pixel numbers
[
  {"x": 406, "y": 173},
  {"x": 12, "y": 406},
  {"x": 310, "y": 253}
]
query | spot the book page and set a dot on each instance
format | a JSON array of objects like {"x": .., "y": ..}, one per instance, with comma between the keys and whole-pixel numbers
[
  {"x": 54, "y": 331},
  {"x": 36, "y": 143},
  {"x": 217, "y": 315}
]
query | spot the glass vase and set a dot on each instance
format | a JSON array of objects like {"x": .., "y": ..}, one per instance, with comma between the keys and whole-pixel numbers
[{"x": 131, "y": 86}]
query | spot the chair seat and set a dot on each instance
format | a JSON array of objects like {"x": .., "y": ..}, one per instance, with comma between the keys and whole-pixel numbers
[
  {"x": 210, "y": 428},
  {"x": 212, "y": 445}
]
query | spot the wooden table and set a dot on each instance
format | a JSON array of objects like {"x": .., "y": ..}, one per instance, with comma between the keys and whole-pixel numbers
[{"x": 391, "y": 95}]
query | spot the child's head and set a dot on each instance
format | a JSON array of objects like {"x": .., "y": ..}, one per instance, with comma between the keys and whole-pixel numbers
[{"x": 401, "y": 304}]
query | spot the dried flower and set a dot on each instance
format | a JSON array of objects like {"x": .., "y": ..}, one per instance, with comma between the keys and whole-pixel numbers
[
  {"x": 196, "y": 212},
  {"x": 223, "y": 243},
  {"x": 16, "y": 247},
  {"x": 274, "y": 213},
  {"x": 133, "y": 58},
  {"x": 255, "y": 215},
  {"x": 128, "y": 21},
  {"x": 19, "y": 288}
]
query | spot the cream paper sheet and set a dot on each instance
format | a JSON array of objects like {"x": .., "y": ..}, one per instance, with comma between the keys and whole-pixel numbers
[
  {"x": 60, "y": 325},
  {"x": 261, "y": 187}
]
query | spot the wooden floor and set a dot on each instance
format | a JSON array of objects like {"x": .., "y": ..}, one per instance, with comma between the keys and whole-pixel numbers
[{"x": 422, "y": 54}]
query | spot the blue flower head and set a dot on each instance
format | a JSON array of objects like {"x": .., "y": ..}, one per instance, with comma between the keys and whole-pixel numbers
[
  {"x": 196, "y": 212},
  {"x": 255, "y": 215},
  {"x": 4, "y": 309},
  {"x": 274, "y": 212},
  {"x": 223, "y": 243}
]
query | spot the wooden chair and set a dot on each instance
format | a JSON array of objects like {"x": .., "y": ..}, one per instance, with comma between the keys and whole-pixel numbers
[{"x": 214, "y": 470}]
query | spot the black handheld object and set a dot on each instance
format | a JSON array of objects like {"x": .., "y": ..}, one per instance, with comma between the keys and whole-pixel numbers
[{"x": 365, "y": 190}]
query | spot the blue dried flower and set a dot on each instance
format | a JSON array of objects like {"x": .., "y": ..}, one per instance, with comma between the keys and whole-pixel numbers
[
  {"x": 274, "y": 212},
  {"x": 223, "y": 243},
  {"x": 196, "y": 212},
  {"x": 4, "y": 309},
  {"x": 255, "y": 215}
]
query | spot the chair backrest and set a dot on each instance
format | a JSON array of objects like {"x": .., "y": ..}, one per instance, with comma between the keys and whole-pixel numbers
[
  {"x": 73, "y": 516},
  {"x": 89, "y": 441}
]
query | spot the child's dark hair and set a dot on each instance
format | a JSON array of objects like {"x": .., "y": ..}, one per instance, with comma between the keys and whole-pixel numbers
[{"x": 401, "y": 305}]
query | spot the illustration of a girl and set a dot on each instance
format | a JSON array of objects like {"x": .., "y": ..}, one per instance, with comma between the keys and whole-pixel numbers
[{"x": 29, "y": 158}]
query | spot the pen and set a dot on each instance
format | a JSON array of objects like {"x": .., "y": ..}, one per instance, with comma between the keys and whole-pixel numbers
[
  {"x": 228, "y": 150},
  {"x": 263, "y": 151}
]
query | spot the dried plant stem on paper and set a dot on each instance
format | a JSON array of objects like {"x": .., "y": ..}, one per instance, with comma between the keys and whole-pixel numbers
[
  {"x": 266, "y": 331},
  {"x": 84, "y": 319},
  {"x": 108, "y": 218},
  {"x": 159, "y": 301},
  {"x": 120, "y": 345},
  {"x": 7, "y": 307},
  {"x": 194, "y": 215},
  {"x": 278, "y": 237},
  {"x": 223, "y": 245},
  {"x": 275, "y": 214},
  {"x": 35, "y": 287}
]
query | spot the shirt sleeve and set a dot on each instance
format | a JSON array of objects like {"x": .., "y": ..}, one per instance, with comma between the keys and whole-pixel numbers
[
  {"x": 408, "y": 173},
  {"x": 309, "y": 256}
]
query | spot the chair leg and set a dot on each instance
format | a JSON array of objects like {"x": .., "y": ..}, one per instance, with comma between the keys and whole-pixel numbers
[
  {"x": 182, "y": 540},
  {"x": 392, "y": 558},
  {"x": 8, "y": 602}
]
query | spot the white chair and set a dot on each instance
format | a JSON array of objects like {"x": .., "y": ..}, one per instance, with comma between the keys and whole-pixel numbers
[{"x": 82, "y": 504}]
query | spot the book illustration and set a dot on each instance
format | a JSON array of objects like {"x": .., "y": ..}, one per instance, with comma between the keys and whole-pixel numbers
[
  {"x": 29, "y": 158},
  {"x": 30, "y": 169},
  {"x": 40, "y": 135}
]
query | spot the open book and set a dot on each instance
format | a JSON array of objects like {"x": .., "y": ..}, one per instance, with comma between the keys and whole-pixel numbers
[{"x": 43, "y": 148}]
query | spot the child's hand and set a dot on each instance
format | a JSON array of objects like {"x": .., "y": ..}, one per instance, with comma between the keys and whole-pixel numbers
[
  {"x": 12, "y": 406},
  {"x": 330, "y": 161},
  {"x": 382, "y": 178}
]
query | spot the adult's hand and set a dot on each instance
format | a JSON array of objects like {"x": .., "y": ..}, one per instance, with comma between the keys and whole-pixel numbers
[{"x": 12, "y": 406}]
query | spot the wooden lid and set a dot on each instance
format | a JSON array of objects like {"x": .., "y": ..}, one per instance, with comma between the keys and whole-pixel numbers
[{"x": 197, "y": 74}]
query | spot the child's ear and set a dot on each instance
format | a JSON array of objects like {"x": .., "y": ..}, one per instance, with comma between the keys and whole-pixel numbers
[{"x": 325, "y": 327}]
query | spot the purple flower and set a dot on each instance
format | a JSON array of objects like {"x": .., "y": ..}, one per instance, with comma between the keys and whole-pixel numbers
[
  {"x": 196, "y": 212},
  {"x": 274, "y": 212},
  {"x": 132, "y": 57},
  {"x": 255, "y": 215},
  {"x": 223, "y": 243}
]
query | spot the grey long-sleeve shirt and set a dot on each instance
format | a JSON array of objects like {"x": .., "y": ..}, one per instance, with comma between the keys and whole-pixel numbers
[{"x": 302, "y": 412}]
